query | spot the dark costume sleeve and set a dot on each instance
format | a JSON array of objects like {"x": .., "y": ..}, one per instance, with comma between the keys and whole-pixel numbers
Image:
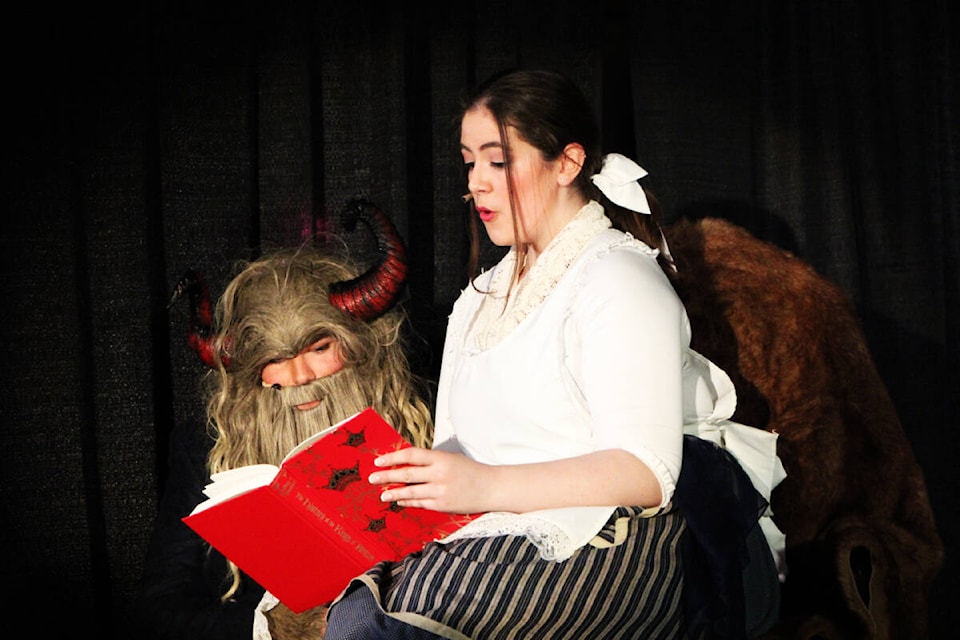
[
  {"x": 183, "y": 577},
  {"x": 730, "y": 580}
]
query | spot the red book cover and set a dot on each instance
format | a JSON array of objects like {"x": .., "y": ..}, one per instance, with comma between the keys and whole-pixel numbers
[{"x": 305, "y": 529}]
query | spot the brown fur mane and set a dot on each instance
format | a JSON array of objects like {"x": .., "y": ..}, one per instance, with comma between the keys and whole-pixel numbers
[{"x": 862, "y": 546}]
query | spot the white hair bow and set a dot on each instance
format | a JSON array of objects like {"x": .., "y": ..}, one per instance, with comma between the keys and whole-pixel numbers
[{"x": 618, "y": 181}]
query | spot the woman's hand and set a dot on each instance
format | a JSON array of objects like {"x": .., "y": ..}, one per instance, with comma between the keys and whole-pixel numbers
[{"x": 431, "y": 479}]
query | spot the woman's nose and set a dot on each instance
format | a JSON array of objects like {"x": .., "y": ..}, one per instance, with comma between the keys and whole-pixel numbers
[{"x": 476, "y": 181}]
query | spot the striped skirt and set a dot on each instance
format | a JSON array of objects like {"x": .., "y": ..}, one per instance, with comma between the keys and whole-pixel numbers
[{"x": 627, "y": 583}]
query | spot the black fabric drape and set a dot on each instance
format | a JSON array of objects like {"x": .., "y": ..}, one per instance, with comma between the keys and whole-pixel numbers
[{"x": 143, "y": 141}]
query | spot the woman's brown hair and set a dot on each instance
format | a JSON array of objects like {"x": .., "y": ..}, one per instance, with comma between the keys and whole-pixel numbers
[{"x": 548, "y": 111}]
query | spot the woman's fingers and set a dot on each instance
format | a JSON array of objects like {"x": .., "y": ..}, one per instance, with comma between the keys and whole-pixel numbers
[
  {"x": 408, "y": 455},
  {"x": 407, "y": 466}
]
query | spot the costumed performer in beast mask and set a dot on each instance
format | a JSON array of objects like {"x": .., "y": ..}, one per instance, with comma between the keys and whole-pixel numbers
[{"x": 300, "y": 341}]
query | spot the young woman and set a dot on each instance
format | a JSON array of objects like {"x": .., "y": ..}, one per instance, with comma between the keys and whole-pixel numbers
[{"x": 566, "y": 384}]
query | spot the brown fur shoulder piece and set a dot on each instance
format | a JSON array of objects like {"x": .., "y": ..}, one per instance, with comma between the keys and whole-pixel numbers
[
  {"x": 862, "y": 546},
  {"x": 284, "y": 624}
]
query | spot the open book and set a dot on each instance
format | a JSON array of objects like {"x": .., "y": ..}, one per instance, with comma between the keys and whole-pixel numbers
[{"x": 305, "y": 529}]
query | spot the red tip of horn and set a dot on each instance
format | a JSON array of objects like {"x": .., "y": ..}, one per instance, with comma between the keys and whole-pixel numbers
[{"x": 200, "y": 330}]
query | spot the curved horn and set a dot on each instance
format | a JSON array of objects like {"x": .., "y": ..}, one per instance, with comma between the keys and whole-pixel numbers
[
  {"x": 200, "y": 331},
  {"x": 372, "y": 293}
]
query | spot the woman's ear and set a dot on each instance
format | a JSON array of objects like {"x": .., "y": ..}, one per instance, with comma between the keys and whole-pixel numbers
[{"x": 571, "y": 162}]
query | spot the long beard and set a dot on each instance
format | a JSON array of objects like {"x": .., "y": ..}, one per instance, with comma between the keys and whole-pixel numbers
[{"x": 341, "y": 395}]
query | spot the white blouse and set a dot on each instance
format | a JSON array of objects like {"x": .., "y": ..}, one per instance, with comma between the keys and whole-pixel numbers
[{"x": 590, "y": 351}]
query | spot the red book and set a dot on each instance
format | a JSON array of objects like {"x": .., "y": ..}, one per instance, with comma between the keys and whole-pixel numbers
[{"x": 305, "y": 529}]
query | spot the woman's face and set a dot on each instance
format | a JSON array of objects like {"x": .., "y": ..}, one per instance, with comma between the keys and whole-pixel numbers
[{"x": 534, "y": 182}]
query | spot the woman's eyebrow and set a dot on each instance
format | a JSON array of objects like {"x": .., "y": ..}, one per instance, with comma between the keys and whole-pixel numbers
[{"x": 495, "y": 144}]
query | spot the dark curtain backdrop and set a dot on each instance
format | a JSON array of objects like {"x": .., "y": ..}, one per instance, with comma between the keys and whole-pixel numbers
[{"x": 143, "y": 141}]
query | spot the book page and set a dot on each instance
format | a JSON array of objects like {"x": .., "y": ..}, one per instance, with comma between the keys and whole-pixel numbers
[{"x": 233, "y": 482}]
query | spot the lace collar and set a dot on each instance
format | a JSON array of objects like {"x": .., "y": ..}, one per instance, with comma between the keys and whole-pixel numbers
[{"x": 499, "y": 315}]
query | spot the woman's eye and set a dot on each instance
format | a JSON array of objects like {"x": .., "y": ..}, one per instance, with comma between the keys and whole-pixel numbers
[
  {"x": 468, "y": 166},
  {"x": 498, "y": 165}
]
